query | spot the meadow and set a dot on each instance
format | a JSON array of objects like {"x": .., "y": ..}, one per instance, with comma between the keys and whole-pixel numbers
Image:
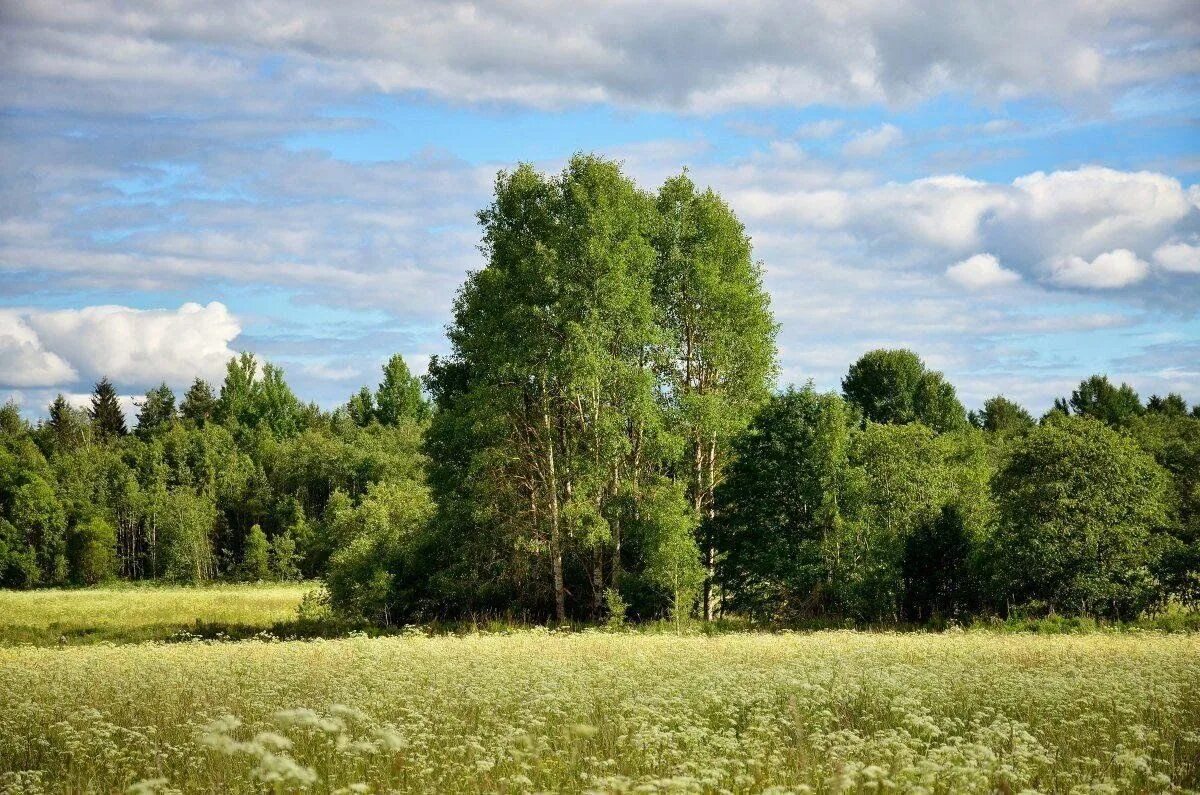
[
  {"x": 128, "y": 613},
  {"x": 535, "y": 710}
]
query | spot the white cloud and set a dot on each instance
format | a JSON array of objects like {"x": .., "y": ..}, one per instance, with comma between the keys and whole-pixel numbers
[
  {"x": 1112, "y": 269},
  {"x": 874, "y": 142},
  {"x": 134, "y": 347},
  {"x": 700, "y": 56},
  {"x": 1093, "y": 209},
  {"x": 981, "y": 272},
  {"x": 1178, "y": 257},
  {"x": 23, "y": 360}
]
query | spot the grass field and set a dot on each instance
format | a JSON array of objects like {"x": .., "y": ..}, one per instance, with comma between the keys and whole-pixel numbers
[
  {"x": 124, "y": 614},
  {"x": 535, "y": 710}
]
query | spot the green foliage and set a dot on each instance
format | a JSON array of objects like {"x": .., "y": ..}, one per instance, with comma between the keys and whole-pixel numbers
[
  {"x": 284, "y": 560},
  {"x": 361, "y": 407},
  {"x": 1173, "y": 404},
  {"x": 781, "y": 522},
  {"x": 606, "y": 435},
  {"x": 18, "y": 558},
  {"x": 185, "y": 551},
  {"x": 614, "y": 340},
  {"x": 92, "y": 551},
  {"x": 199, "y": 404},
  {"x": 615, "y": 609},
  {"x": 399, "y": 396},
  {"x": 372, "y": 572},
  {"x": 256, "y": 551},
  {"x": 1079, "y": 509},
  {"x": 1173, "y": 438},
  {"x": 1099, "y": 399},
  {"x": 893, "y": 387},
  {"x": 1001, "y": 415},
  {"x": 156, "y": 411},
  {"x": 108, "y": 420}
]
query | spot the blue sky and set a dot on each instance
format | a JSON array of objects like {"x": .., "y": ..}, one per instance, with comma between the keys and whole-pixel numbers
[{"x": 1009, "y": 190}]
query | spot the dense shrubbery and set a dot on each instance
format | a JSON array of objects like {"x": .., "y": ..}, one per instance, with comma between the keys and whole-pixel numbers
[{"x": 605, "y": 442}]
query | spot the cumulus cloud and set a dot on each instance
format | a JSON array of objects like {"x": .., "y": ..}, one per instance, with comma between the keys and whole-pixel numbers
[
  {"x": 1178, "y": 257},
  {"x": 1112, "y": 269},
  {"x": 981, "y": 272},
  {"x": 706, "y": 56},
  {"x": 1061, "y": 217},
  {"x": 136, "y": 347},
  {"x": 874, "y": 142},
  {"x": 24, "y": 362}
]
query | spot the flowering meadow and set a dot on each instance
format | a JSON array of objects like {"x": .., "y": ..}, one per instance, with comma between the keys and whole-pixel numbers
[{"x": 599, "y": 712}]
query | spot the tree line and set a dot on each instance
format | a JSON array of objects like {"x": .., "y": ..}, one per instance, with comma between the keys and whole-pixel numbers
[{"x": 605, "y": 439}]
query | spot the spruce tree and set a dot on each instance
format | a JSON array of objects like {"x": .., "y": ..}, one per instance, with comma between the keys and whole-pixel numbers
[{"x": 105, "y": 413}]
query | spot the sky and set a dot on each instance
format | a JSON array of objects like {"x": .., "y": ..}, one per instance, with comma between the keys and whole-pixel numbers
[{"x": 1009, "y": 189}]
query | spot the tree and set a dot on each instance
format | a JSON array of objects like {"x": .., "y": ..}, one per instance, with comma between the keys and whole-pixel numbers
[
  {"x": 285, "y": 562},
  {"x": 92, "y": 551},
  {"x": 237, "y": 401},
  {"x": 156, "y": 411},
  {"x": 899, "y": 482},
  {"x": 1172, "y": 404},
  {"x": 274, "y": 403},
  {"x": 399, "y": 396},
  {"x": 893, "y": 387},
  {"x": 67, "y": 425},
  {"x": 371, "y": 574},
  {"x": 108, "y": 420},
  {"x": 665, "y": 526},
  {"x": 256, "y": 550},
  {"x": 185, "y": 544},
  {"x": 1079, "y": 508},
  {"x": 11, "y": 421},
  {"x": 1174, "y": 441},
  {"x": 18, "y": 559},
  {"x": 1001, "y": 415},
  {"x": 940, "y": 575},
  {"x": 780, "y": 521},
  {"x": 38, "y": 516},
  {"x": 362, "y": 407},
  {"x": 199, "y": 405},
  {"x": 720, "y": 337},
  {"x": 1096, "y": 397},
  {"x": 550, "y": 389}
]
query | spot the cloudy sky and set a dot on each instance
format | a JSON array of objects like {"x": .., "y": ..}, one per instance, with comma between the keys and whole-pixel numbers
[{"x": 1012, "y": 193}]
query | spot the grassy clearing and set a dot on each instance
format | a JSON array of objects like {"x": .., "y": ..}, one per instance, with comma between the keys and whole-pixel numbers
[
  {"x": 591, "y": 711},
  {"x": 125, "y": 614}
]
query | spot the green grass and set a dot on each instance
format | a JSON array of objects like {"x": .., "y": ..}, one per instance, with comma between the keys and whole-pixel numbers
[
  {"x": 140, "y": 613},
  {"x": 569, "y": 712}
]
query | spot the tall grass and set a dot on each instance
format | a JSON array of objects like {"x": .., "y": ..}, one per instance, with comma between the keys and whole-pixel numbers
[
  {"x": 543, "y": 711},
  {"x": 144, "y": 612}
]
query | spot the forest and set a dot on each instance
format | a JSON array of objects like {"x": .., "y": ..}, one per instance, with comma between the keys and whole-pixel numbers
[{"x": 607, "y": 440}]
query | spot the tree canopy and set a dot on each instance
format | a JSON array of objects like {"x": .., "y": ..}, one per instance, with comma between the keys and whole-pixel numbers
[{"x": 604, "y": 440}]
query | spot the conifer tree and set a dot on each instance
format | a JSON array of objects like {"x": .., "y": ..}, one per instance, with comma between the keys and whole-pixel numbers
[{"x": 105, "y": 412}]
